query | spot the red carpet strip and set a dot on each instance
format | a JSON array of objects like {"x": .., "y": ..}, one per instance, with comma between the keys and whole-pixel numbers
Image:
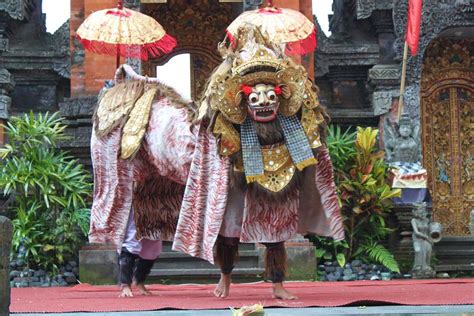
[{"x": 88, "y": 298}]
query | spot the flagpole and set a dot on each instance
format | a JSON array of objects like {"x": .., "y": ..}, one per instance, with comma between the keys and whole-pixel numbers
[{"x": 402, "y": 81}]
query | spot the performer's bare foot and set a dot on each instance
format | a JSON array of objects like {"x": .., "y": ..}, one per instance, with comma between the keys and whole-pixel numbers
[
  {"x": 280, "y": 292},
  {"x": 223, "y": 288},
  {"x": 143, "y": 290},
  {"x": 126, "y": 291}
]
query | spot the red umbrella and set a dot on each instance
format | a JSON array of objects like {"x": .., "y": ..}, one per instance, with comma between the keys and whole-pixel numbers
[{"x": 124, "y": 32}]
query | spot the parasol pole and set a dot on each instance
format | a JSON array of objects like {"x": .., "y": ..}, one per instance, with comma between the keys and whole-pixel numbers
[
  {"x": 117, "y": 61},
  {"x": 402, "y": 81}
]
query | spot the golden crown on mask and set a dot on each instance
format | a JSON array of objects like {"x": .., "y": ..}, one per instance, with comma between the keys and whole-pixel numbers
[{"x": 251, "y": 61}]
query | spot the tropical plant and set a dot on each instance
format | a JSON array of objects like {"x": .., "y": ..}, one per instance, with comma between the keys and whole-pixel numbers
[
  {"x": 341, "y": 148},
  {"x": 364, "y": 197},
  {"x": 49, "y": 211},
  {"x": 328, "y": 249},
  {"x": 366, "y": 201}
]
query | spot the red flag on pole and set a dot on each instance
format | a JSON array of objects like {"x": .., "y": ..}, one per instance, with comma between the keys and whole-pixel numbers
[{"x": 413, "y": 25}]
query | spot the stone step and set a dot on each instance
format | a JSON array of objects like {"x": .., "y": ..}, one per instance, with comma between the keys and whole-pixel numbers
[
  {"x": 171, "y": 259},
  {"x": 203, "y": 272},
  {"x": 177, "y": 267},
  {"x": 210, "y": 275},
  {"x": 455, "y": 254},
  {"x": 454, "y": 267},
  {"x": 247, "y": 246},
  {"x": 467, "y": 253}
]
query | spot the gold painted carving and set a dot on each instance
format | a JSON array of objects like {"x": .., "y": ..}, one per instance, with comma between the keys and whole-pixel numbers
[
  {"x": 115, "y": 106},
  {"x": 229, "y": 137},
  {"x": 278, "y": 168},
  {"x": 310, "y": 120},
  {"x": 136, "y": 125},
  {"x": 447, "y": 106},
  {"x": 198, "y": 27},
  {"x": 275, "y": 181}
]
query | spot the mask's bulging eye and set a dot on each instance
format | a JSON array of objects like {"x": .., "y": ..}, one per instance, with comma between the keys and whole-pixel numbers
[
  {"x": 253, "y": 97},
  {"x": 271, "y": 95}
]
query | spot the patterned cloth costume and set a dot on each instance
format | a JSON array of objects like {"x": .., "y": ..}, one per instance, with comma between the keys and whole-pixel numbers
[{"x": 230, "y": 176}]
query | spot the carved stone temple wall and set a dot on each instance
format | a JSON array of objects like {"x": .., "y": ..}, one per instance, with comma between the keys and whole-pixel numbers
[
  {"x": 358, "y": 70},
  {"x": 35, "y": 65}
]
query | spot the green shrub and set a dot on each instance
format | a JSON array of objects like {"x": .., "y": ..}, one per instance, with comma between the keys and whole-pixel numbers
[
  {"x": 341, "y": 149},
  {"x": 366, "y": 200},
  {"x": 49, "y": 212},
  {"x": 364, "y": 197}
]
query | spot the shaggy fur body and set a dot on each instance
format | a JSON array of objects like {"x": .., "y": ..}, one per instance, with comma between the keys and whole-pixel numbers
[{"x": 182, "y": 190}]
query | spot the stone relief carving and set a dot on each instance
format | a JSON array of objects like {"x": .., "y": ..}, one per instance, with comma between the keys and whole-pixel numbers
[
  {"x": 18, "y": 9},
  {"x": 321, "y": 66},
  {"x": 7, "y": 85},
  {"x": 385, "y": 75},
  {"x": 5, "y": 103},
  {"x": 411, "y": 100},
  {"x": 402, "y": 140},
  {"x": 83, "y": 106},
  {"x": 78, "y": 54},
  {"x": 366, "y": 7},
  {"x": 436, "y": 16},
  {"x": 339, "y": 22},
  {"x": 382, "y": 100},
  {"x": 61, "y": 43}
]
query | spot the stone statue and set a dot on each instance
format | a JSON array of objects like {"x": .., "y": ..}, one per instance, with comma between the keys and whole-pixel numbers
[
  {"x": 402, "y": 141},
  {"x": 6, "y": 230},
  {"x": 425, "y": 234}
]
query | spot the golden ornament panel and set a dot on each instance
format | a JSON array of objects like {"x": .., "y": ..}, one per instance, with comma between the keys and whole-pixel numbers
[{"x": 447, "y": 106}]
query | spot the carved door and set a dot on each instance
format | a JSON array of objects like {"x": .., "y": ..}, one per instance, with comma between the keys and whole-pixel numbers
[
  {"x": 198, "y": 26},
  {"x": 447, "y": 109}
]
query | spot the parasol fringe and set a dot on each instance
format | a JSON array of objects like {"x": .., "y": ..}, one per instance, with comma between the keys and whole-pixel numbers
[
  {"x": 302, "y": 47},
  {"x": 163, "y": 46}
]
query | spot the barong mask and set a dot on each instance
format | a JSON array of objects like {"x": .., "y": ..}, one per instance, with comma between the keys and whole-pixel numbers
[{"x": 259, "y": 85}]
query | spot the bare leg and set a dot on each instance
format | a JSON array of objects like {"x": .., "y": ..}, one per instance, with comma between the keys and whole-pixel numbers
[
  {"x": 276, "y": 269},
  {"x": 126, "y": 291},
  {"x": 280, "y": 292},
  {"x": 143, "y": 290},
  {"x": 223, "y": 287},
  {"x": 142, "y": 271},
  {"x": 126, "y": 265},
  {"x": 226, "y": 252}
]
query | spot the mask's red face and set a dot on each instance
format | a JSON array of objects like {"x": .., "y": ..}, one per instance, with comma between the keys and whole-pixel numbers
[{"x": 262, "y": 102}]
